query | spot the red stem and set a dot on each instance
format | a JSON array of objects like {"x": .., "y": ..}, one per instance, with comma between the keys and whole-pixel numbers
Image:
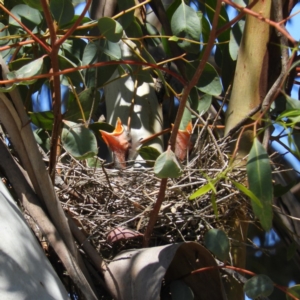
[
  {"x": 259, "y": 17},
  {"x": 34, "y": 37},
  {"x": 55, "y": 87},
  {"x": 96, "y": 65},
  {"x": 75, "y": 25},
  {"x": 186, "y": 92}
]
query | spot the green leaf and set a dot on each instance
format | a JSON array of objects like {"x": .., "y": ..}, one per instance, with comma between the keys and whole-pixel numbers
[
  {"x": 101, "y": 126},
  {"x": 260, "y": 183},
  {"x": 111, "y": 29},
  {"x": 295, "y": 291},
  {"x": 235, "y": 39},
  {"x": 31, "y": 69},
  {"x": 19, "y": 63},
  {"x": 167, "y": 165},
  {"x": 43, "y": 138},
  {"x": 34, "y": 4},
  {"x": 4, "y": 33},
  {"x": 217, "y": 242},
  {"x": 94, "y": 162},
  {"x": 149, "y": 154},
  {"x": 186, "y": 118},
  {"x": 260, "y": 285},
  {"x": 209, "y": 82},
  {"x": 186, "y": 24},
  {"x": 204, "y": 104},
  {"x": 30, "y": 17},
  {"x": 248, "y": 193},
  {"x": 74, "y": 111},
  {"x": 93, "y": 53},
  {"x": 76, "y": 76},
  {"x": 42, "y": 119},
  {"x": 126, "y": 19},
  {"x": 62, "y": 11},
  {"x": 202, "y": 191},
  {"x": 79, "y": 141}
]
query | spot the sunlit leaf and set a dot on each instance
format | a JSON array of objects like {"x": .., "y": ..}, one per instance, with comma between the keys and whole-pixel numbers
[
  {"x": 260, "y": 183},
  {"x": 111, "y": 29},
  {"x": 42, "y": 119},
  {"x": 248, "y": 193},
  {"x": 31, "y": 69},
  {"x": 235, "y": 38},
  {"x": 167, "y": 165},
  {"x": 79, "y": 141},
  {"x": 295, "y": 291},
  {"x": 260, "y": 285},
  {"x": 93, "y": 162},
  {"x": 209, "y": 82},
  {"x": 204, "y": 104},
  {"x": 202, "y": 191},
  {"x": 27, "y": 15},
  {"x": 217, "y": 242},
  {"x": 3, "y": 34},
  {"x": 186, "y": 24}
]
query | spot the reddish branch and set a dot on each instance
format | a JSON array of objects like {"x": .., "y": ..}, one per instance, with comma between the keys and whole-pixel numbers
[
  {"x": 259, "y": 17},
  {"x": 34, "y": 37},
  {"x": 97, "y": 65},
  {"x": 240, "y": 270},
  {"x": 172, "y": 141}
]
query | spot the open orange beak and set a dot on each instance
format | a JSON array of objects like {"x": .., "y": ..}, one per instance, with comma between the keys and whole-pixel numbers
[
  {"x": 183, "y": 141},
  {"x": 118, "y": 142}
]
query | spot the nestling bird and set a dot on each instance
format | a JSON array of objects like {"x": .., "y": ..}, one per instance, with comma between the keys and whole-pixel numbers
[{"x": 119, "y": 142}]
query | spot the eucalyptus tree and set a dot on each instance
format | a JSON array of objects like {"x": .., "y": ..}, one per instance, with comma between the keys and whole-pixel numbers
[{"x": 127, "y": 65}]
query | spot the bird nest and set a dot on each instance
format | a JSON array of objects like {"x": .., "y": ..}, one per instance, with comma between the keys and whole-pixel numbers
[{"x": 112, "y": 207}]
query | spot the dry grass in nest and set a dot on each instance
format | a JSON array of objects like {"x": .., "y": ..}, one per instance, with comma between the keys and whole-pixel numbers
[{"x": 101, "y": 200}]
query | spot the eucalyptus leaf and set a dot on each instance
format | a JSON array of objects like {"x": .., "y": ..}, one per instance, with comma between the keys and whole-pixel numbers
[
  {"x": 259, "y": 285},
  {"x": 217, "y": 242},
  {"x": 209, "y": 82},
  {"x": 4, "y": 33},
  {"x": 149, "y": 154},
  {"x": 126, "y": 19},
  {"x": 204, "y": 104},
  {"x": 93, "y": 162},
  {"x": 202, "y": 191},
  {"x": 27, "y": 15},
  {"x": 235, "y": 39},
  {"x": 88, "y": 99},
  {"x": 186, "y": 24},
  {"x": 43, "y": 120},
  {"x": 167, "y": 165},
  {"x": 260, "y": 183},
  {"x": 295, "y": 291},
  {"x": 111, "y": 29},
  {"x": 79, "y": 141},
  {"x": 31, "y": 69},
  {"x": 62, "y": 10}
]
